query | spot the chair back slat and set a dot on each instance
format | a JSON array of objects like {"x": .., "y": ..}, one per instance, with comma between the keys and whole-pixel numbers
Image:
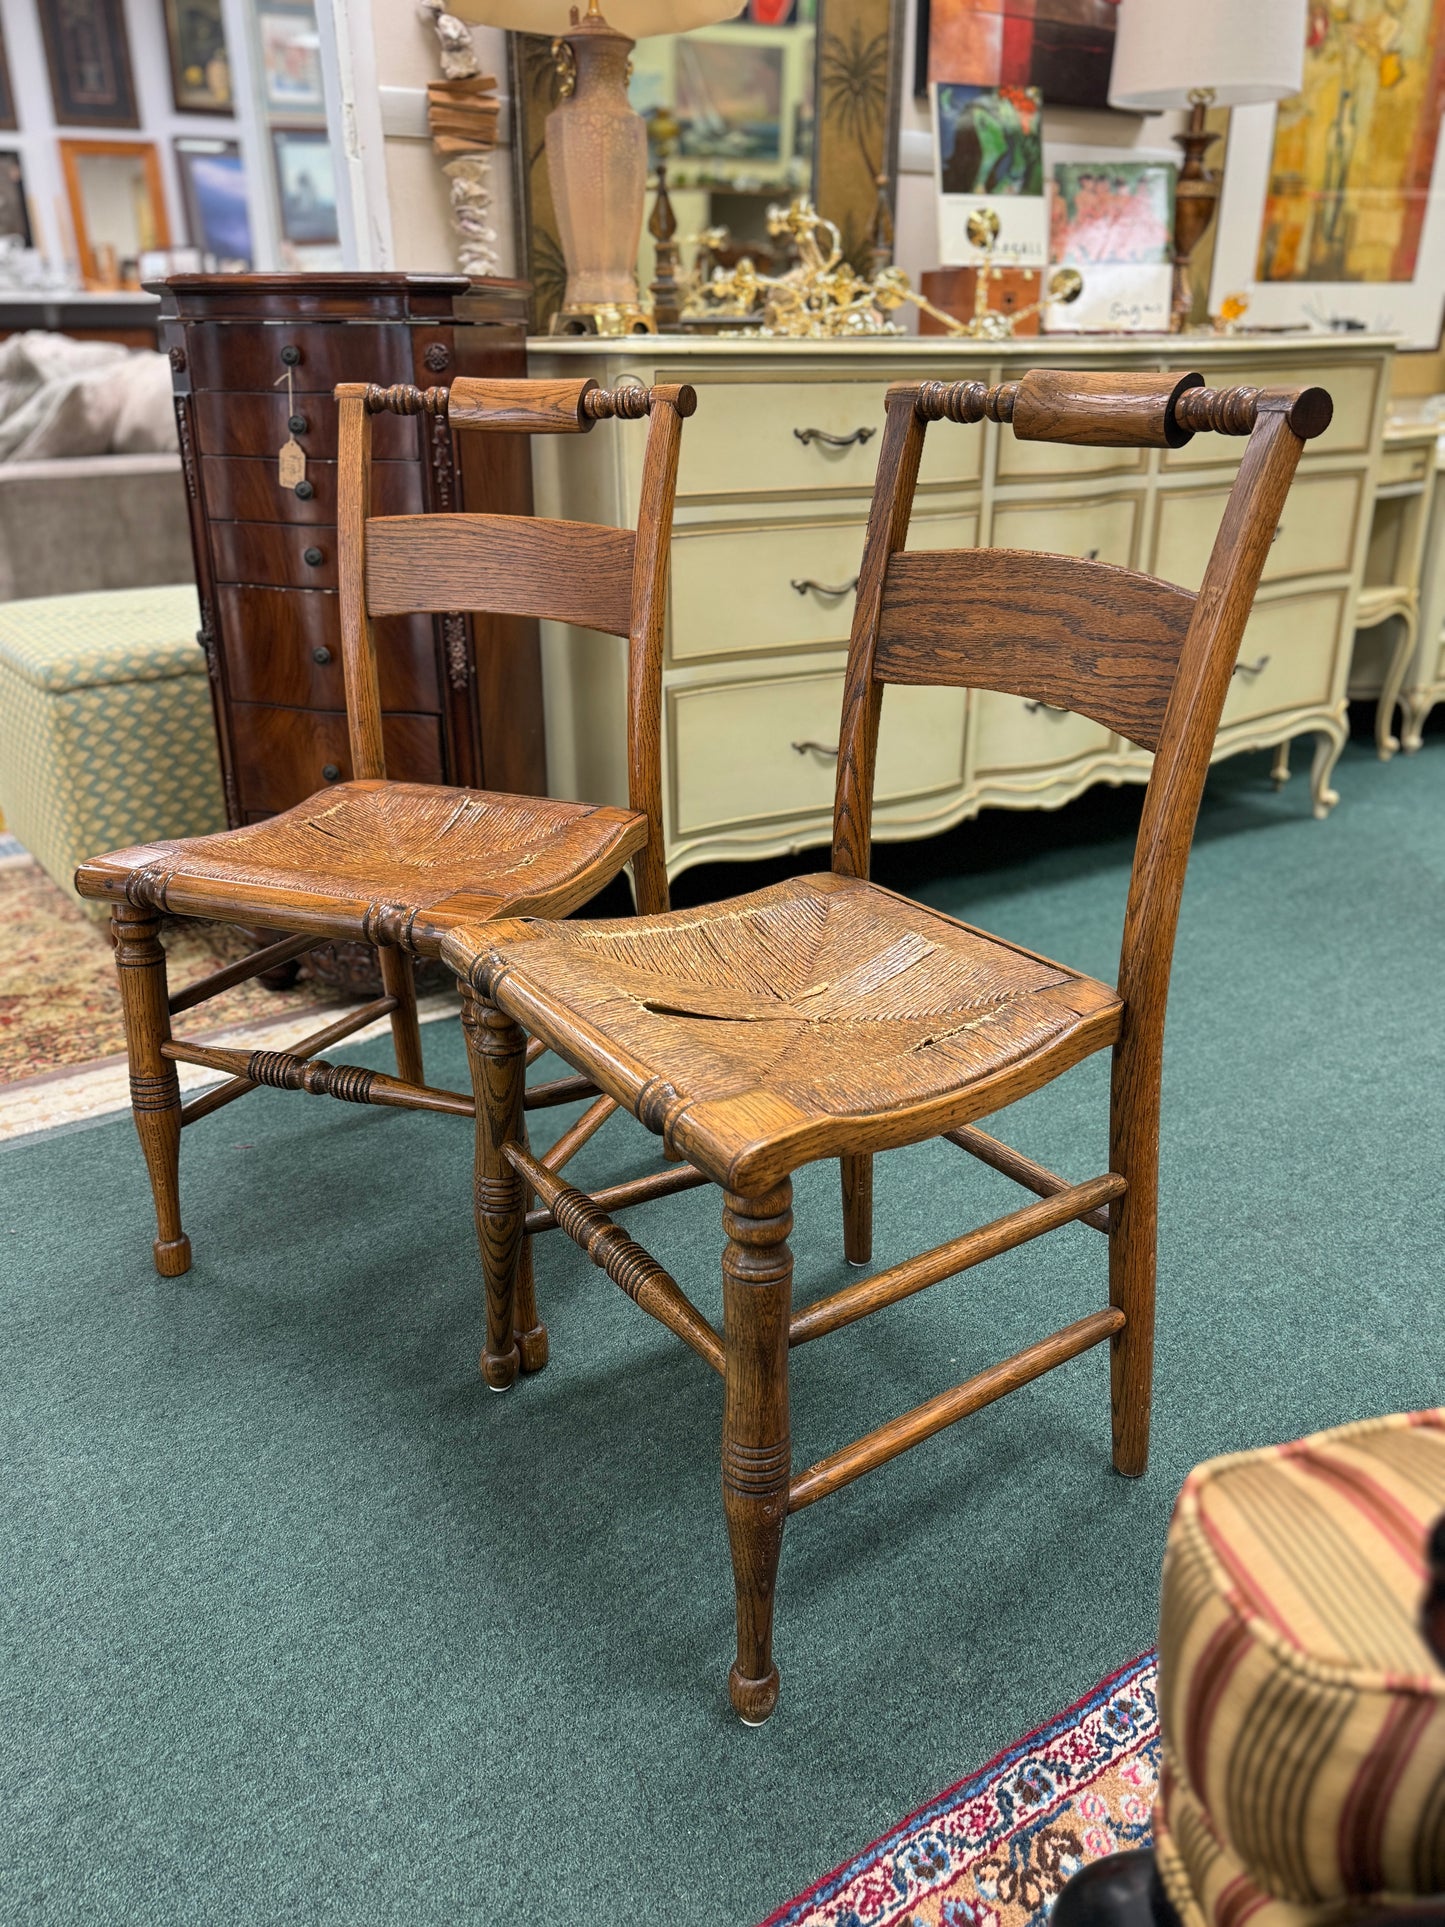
[
  {"x": 1079, "y": 635},
  {"x": 508, "y": 565}
]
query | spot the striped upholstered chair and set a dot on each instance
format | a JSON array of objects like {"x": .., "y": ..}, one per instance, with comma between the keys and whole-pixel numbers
[{"x": 1301, "y": 1705}]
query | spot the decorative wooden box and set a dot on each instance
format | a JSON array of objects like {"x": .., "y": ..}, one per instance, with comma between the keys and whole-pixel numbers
[{"x": 255, "y": 358}]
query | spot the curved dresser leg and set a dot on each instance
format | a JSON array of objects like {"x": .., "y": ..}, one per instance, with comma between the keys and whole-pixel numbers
[{"x": 1328, "y": 748}]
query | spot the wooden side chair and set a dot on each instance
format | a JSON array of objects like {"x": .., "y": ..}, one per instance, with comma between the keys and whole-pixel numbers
[
  {"x": 827, "y": 1017},
  {"x": 397, "y": 864}
]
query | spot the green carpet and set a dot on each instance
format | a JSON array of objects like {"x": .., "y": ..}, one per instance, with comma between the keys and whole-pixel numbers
[{"x": 298, "y": 1623}]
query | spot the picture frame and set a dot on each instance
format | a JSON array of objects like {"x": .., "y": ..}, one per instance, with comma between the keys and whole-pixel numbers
[
  {"x": 1111, "y": 217},
  {"x": 200, "y": 60},
  {"x": 291, "y": 82},
  {"x": 1332, "y": 215},
  {"x": 214, "y": 200},
  {"x": 306, "y": 186},
  {"x": 14, "y": 207},
  {"x": 8, "y": 121},
  {"x": 988, "y": 158},
  {"x": 88, "y": 55},
  {"x": 1065, "y": 48},
  {"x": 117, "y": 206}
]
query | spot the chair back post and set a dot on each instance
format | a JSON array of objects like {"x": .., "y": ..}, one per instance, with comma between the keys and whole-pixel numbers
[
  {"x": 358, "y": 646},
  {"x": 888, "y": 518},
  {"x": 668, "y": 406}
]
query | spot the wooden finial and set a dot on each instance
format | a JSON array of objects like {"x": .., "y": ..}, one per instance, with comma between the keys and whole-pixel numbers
[{"x": 662, "y": 226}]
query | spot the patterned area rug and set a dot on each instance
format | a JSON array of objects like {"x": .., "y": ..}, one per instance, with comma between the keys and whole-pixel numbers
[
  {"x": 58, "y": 999},
  {"x": 996, "y": 1849}
]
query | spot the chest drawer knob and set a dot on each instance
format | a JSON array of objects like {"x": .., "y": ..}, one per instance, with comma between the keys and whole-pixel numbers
[
  {"x": 304, "y": 491},
  {"x": 297, "y": 424},
  {"x": 290, "y": 357},
  {"x": 323, "y": 654},
  {"x": 330, "y": 773},
  {"x": 314, "y": 557}
]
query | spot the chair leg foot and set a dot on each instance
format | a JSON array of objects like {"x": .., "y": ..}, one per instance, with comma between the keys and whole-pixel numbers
[
  {"x": 496, "y": 1054},
  {"x": 527, "y": 1328},
  {"x": 155, "y": 1092},
  {"x": 756, "y": 1448},
  {"x": 857, "y": 1175}
]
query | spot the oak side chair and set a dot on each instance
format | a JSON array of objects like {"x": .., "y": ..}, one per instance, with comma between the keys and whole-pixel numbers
[
  {"x": 396, "y": 864},
  {"x": 827, "y": 1017}
]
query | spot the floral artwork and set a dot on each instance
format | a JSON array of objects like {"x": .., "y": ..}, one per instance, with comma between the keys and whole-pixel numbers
[
  {"x": 1114, "y": 222},
  {"x": 1354, "y": 150},
  {"x": 1065, "y": 48}
]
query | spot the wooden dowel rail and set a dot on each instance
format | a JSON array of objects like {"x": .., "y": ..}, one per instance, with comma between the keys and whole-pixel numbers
[
  {"x": 630, "y": 1268},
  {"x": 621, "y": 1197},
  {"x": 935, "y": 1414},
  {"x": 240, "y": 972},
  {"x": 562, "y": 1090},
  {"x": 946, "y": 1261},
  {"x": 535, "y": 1049},
  {"x": 319, "y": 1040},
  {"x": 297, "y": 1071},
  {"x": 1013, "y": 1164},
  {"x": 576, "y": 1135}
]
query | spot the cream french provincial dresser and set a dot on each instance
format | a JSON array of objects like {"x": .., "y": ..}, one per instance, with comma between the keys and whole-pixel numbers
[{"x": 773, "y": 490}]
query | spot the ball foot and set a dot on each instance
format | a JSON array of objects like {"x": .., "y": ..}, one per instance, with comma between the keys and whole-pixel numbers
[
  {"x": 173, "y": 1256},
  {"x": 753, "y": 1699},
  {"x": 500, "y": 1372},
  {"x": 533, "y": 1347}
]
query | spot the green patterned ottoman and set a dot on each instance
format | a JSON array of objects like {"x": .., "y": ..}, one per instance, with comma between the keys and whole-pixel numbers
[{"x": 106, "y": 733}]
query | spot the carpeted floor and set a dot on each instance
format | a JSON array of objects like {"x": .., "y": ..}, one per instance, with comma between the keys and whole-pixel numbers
[{"x": 299, "y": 1623}]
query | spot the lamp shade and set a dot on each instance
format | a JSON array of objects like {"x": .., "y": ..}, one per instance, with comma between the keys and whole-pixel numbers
[
  {"x": 1243, "y": 51},
  {"x": 635, "y": 18}
]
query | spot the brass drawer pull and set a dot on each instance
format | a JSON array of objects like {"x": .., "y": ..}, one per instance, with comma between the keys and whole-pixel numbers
[
  {"x": 1054, "y": 709},
  {"x": 1249, "y": 668},
  {"x": 823, "y": 749},
  {"x": 802, "y": 583},
  {"x": 859, "y": 436}
]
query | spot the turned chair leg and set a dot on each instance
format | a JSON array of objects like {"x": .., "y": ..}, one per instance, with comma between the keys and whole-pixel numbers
[
  {"x": 398, "y": 979},
  {"x": 155, "y": 1091},
  {"x": 527, "y": 1327},
  {"x": 496, "y": 1052},
  {"x": 857, "y": 1175},
  {"x": 756, "y": 1450},
  {"x": 1133, "y": 1245}
]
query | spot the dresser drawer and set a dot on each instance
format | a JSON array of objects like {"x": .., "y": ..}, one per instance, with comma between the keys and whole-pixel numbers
[
  {"x": 1316, "y": 532},
  {"x": 1060, "y": 461},
  {"x": 250, "y": 355},
  {"x": 734, "y": 759},
  {"x": 747, "y": 438},
  {"x": 244, "y": 488},
  {"x": 273, "y": 637},
  {"x": 274, "y": 552},
  {"x": 258, "y": 425},
  {"x": 1403, "y": 465},
  {"x": 280, "y": 755},
  {"x": 1102, "y": 527},
  {"x": 743, "y": 591},
  {"x": 1012, "y": 736},
  {"x": 1354, "y": 388},
  {"x": 1288, "y": 655}
]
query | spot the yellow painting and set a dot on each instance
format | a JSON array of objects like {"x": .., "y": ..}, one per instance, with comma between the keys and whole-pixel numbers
[{"x": 1354, "y": 150}]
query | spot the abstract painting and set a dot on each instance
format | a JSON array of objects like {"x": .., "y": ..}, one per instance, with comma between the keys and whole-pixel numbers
[
  {"x": 989, "y": 158},
  {"x": 1065, "y": 48},
  {"x": 1354, "y": 151},
  {"x": 1114, "y": 222},
  {"x": 213, "y": 187}
]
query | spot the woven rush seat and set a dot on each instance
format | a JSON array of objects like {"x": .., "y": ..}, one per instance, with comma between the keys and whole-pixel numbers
[
  {"x": 399, "y": 861},
  {"x": 1303, "y": 1715},
  {"x": 755, "y": 1034}
]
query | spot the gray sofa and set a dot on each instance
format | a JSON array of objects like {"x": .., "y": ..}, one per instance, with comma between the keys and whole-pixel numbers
[{"x": 92, "y": 522}]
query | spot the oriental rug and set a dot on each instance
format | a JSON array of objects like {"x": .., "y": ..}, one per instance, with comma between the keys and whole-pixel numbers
[{"x": 996, "y": 1849}]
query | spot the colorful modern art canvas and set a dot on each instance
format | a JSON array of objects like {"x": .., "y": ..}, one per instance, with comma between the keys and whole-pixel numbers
[
  {"x": 1113, "y": 220},
  {"x": 1334, "y": 203},
  {"x": 989, "y": 154},
  {"x": 1064, "y": 48}
]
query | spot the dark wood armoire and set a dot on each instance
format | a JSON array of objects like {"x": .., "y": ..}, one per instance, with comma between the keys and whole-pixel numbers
[{"x": 255, "y": 358}]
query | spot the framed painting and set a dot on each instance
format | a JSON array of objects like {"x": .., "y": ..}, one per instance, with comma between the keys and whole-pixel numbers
[
  {"x": 213, "y": 194},
  {"x": 1111, "y": 216},
  {"x": 117, "y": 207},
  {"x": 7, "y": 92},
  {"x": 1333, "y": 209},
  {"x": 306, "y": 186},
  {"x": 200, "y": 64},
  {"x": 86, "y": 50},
  {"x": 1065, "y": 48},
  {"x": 14, "y": 208},
  {"x": 989, "y": 159},
  {"x": 290, "y": 57}
]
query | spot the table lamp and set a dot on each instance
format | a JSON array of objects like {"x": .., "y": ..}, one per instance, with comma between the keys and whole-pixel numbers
[
  {"x": 597, "y": 143},
  {"x": 1216, "y": 53}
]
